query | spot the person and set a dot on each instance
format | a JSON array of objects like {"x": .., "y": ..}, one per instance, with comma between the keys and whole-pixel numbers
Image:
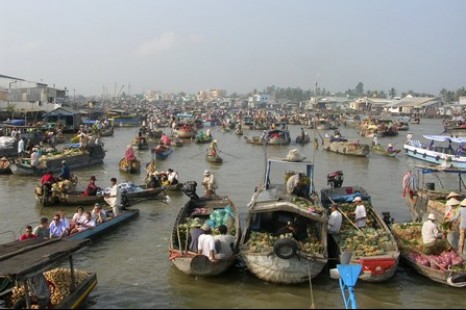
[
  {"x": 224, "y": 243},
  {"x": 83, "y": 140},
  {"x": 129, "y": 154},
  {"x": 57, "y": 228},
  {"x": 462, "y": 226},
  {"x": 303, "y": 134},
  {"x": 432, "y": 239},
  {"x": 390, "y": 148},
  {"x": 38, "y": 291},
  {"x": 206, "y": 243},
  {"x": 34, "y": 158},
  {"x": 360, "y": 212},
  {"x": 287, "y": 229},
  {"x": 88, "y": 223},
  {"x": 375, "y": 141},
  {"x": 78, "y": 217},
  {"x": 64, "y": 219},
  {"x": 21, "y": 147},
  {"x": 208, "y": 133},
  {"x": 334, "y": 220},
  {"x": 98, "y": 214},
  {"x": 195, "y": 232},
  {"x": 172, "y": 176},
  {"x": 209, "y": 183},
  {"x": 47, "y": 180},
  {"x": 91, "y": 188},
  {"x": 213, "y": 149},
  {"x": 42, "y": 230},
  {"x": 451, "y": 220},
  {"x": 28, "y": 234},
  {"x": 65, "y": 172},
  {"x": 296, "y": 185},
  {"x": 316, "y": 144},
  {"x": 409, "y": 137},
  {"x": 165, "y": 139},
  {"x": 114, "y": 197}
]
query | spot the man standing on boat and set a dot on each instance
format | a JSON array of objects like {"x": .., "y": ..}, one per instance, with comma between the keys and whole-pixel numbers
[
  {"x": 209, "y": 184},
  {"x": 334, "y": 220},
  {"x": 114, "y": 197},
  {"x": 360, "y": 213}
]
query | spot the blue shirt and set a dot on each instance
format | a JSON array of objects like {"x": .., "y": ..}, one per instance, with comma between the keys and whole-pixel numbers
[{"x": 65, "y": 172}]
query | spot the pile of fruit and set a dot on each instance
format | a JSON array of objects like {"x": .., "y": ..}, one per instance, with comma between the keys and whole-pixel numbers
[
  {"x": 348, "y": 210},
  {"x": 61, "y": 280},
  {"x": 371, "y": 242},
  {"x": 262, "y": 243},
  {"x": 307, "y": 205}
]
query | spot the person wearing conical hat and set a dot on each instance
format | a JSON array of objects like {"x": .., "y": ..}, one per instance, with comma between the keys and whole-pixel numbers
[
  {"x": 213, "y": 151},
  {"x": 432, "y": 238},
  {"x": 451, "y": 220},
  {"x": 453, "y": 194}
]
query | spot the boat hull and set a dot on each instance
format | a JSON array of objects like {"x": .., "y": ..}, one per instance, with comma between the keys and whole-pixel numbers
[
  {"x": 347, "y": 148},
  {"x": 438, "y": 158}
]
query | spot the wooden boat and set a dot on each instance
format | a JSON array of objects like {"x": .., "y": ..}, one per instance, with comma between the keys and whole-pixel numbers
[
  {"x": 203, "y": 209},
  {"x": 162, "y": 151},
  {"x": 380, "y": 150},
  {"x": 141, "y": 143},
  {"x": 409, "y": 238},
  {"x": 155, "y": 134},
  {"x": 74, "y": 157},
  {"x": 177, "y": 141},
  {"x": 133, "y": 167},
  {"x": 65, "y": 197},
  {"x": 239, "y": 132},
  {"x": 43, "y": 256},
  {"x": 214, "y": 159},
  {"x": 373, "y": 246},
  {"x": 185, "y": 130},
  {"x": 202, "y": 137},
  {"x": 278, "y": 137},
  {"x": 107, "y": 131},
  {"x": 282, "y": 259},
  {"x": 110, "y": 223},
  {"x": 254, "y": 140},
  {"x": 301, "y": 140},
  {"x": 345, "y": 147},
  {"x": 133, "y": 197},
  {"x": 440, "y": 155}
]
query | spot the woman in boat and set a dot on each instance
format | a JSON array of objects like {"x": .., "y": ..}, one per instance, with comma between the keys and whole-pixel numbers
[
  {"x": 390, "y": 148},
  {"x": 91, "y": 188},
  {"x": 213, "y": 151},
  {"x": 129, "y": 154}
]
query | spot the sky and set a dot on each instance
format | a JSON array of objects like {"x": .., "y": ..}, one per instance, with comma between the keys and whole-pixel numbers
[{"x": 95, "y": 47}]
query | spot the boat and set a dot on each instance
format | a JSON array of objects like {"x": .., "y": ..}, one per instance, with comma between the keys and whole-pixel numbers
[
  {"x": 133, "y": 167},
  {"x": 441, "y": 154},
  {"x": 110, "y": 223},
  {"x": 373, "y": 246},
  {"x": 75, "y": 158},
  {"x": 278, "y": 137},
  {"x": 141, "y": 143},
  {"x": 239, "y": 132},
  {"x": 132, "y": 194},
  {"x": 185, "y": 130},
  {"x": 380, "y": 150},
  {"x": 214, "y": 211},
  {"x": 162, "y": 151},
  {"x": 344, "y": 147},
  {"x": 68, "y": 287},
  {"x": 303, "y": 140},
  {"x": 202, "y": 137},
  {"x": 282, "y": 259},
  {"x": 155, "y": 134},
  {"x": 216, "y": 159},
  {"x": 447, "y": 268}
]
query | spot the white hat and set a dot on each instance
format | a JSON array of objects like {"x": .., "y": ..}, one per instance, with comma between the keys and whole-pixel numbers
[
  {"x": 452, "y": 194},
  {"x": 431, "y": 216},
  {"x": 452, "y": 202},
  {"x": 390, "y": 145},
  {"x": 205, "y": 227},
  {"x": 206, "y": 172},
  {"x": 357, "y": 199}
]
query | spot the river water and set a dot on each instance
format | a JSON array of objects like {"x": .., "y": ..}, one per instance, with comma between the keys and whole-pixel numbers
[{"x": 132, "y": 263}]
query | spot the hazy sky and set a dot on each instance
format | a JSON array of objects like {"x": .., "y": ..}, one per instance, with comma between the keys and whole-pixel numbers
[{"x": 238, "y": 46}]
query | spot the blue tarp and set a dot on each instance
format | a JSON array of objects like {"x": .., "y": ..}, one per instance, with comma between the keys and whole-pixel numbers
[{"x": 16, "y": 122}]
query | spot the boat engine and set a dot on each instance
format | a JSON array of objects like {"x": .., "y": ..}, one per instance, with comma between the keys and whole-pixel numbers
[
  {"x": 189, "y": 188},
  {"x": 335, "y": 179}
]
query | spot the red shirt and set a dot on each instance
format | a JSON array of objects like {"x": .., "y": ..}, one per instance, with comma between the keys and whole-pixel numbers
[
  {"x": 27, "y": 236},
  {"x": 47, "y": 178}
]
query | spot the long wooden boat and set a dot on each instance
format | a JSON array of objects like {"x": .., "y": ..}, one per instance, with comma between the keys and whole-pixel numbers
[
  {"x": 202, "y": 137},
  {"x": 133, "y": 197},
  {"x": 344, "y": 147},
  {"x": 448, "y": 156},
  {"x": 282, "y": 259},
  {"x": 133, "y": 167},
  {"x": 62, "y": 198},
  {"x": 278, "y": 137},
  {"x": 214, "y": 159},
  {"x": 204, "y": 210},
  {"x": 301, "y": 140},
  {"x": 162, "y": 152},
  {"x": 445, "y": 268},
  {"x": 185, "y": 130},
  {"x": 75, "y": 159},
  {"x": 42, "y": 256},
  {"x": 110, "y": 223},
  {"x": 380, "y": 150},
  {"x": 373, "y": 246}
]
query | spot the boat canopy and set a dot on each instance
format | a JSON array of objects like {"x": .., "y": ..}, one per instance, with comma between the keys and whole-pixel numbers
[{"x": 441, "y": 138}]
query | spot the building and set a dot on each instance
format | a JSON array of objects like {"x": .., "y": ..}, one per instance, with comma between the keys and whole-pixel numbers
[{"x": 426, "y": 106}]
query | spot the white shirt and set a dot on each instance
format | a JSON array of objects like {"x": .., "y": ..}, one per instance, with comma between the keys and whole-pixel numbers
[
  {"x": 462, "y": 218},
  {"x": 334, "y": 222},
  {"x": 360, "y": 214},
  {"x": 209, "y": 181},
  {"x": 114, "y": 199},
  {"x": 79, "y": 218},
  {"x": 173, "y": 175},
  {"x": 34, "y": 158},
  {"x": 20, "y": 146},
  {"x": 226, "y": 242},
  {"x": 206, "y": 243},
  {"x": 429, "y": 231}
]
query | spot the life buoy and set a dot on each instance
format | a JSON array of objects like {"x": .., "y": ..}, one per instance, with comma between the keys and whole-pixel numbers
[{"x": 285, "y": 248}]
